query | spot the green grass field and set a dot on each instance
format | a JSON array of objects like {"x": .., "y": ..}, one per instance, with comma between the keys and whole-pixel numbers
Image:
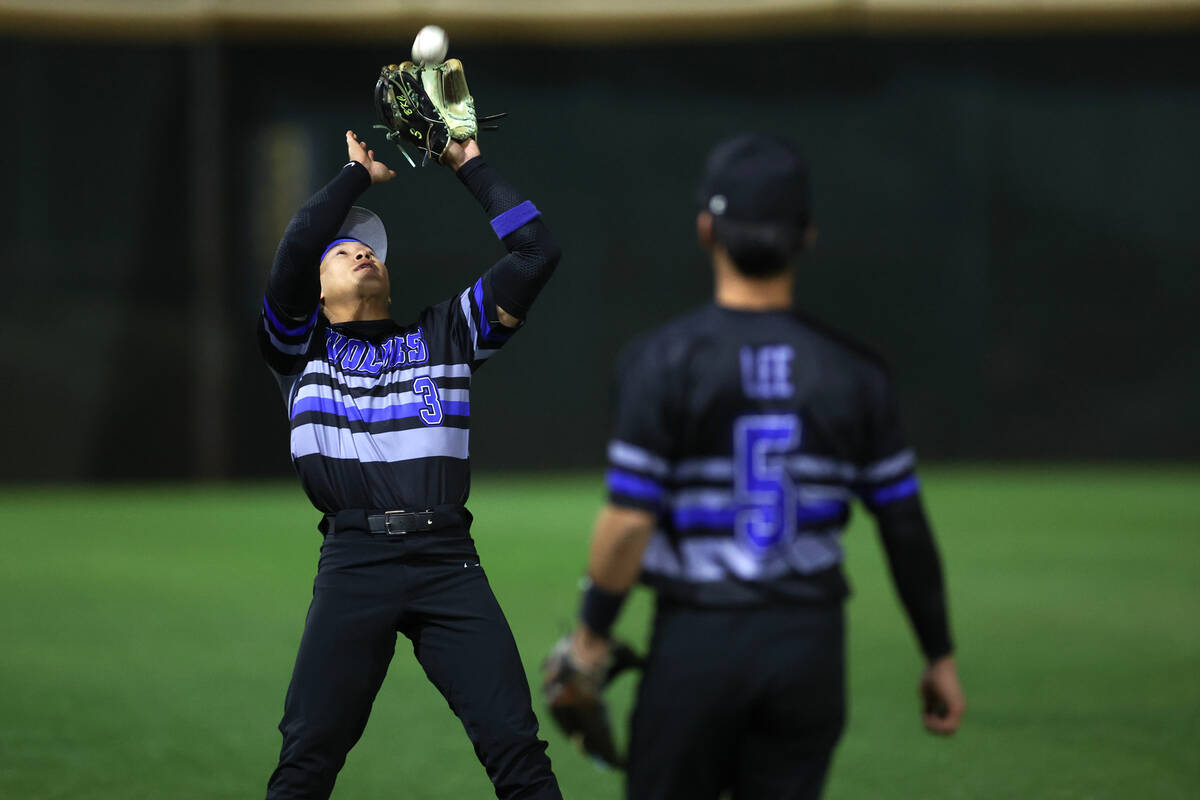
[{"x": 147, "y": 636}]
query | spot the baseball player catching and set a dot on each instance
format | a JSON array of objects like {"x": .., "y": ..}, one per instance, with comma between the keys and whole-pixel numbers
[{"x": 380, "y": 419}]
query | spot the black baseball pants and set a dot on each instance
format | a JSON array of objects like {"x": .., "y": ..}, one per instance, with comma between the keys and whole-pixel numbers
[
  {"x": 430, "y": 587},
  {"x": 743, "y": 701}
]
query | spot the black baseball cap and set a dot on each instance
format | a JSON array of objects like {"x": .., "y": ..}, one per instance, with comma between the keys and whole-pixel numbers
[{"x": 757, "y": 179}]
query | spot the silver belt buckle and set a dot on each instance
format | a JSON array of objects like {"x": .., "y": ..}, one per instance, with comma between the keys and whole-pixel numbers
[{"x": 387, "y": 522}]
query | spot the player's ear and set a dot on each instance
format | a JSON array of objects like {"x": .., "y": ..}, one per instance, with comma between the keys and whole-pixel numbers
[{"x": 704, "y": 229}]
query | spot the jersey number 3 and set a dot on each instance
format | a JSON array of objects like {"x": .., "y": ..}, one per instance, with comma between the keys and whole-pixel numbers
[
  {"x": 763, "y": 490},
  {"x": 426, "y": 391}
]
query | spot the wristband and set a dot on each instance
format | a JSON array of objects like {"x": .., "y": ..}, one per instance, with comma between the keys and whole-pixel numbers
[
  {"x": 600, "y": 608},
  {"x": 516, "y": 217}
]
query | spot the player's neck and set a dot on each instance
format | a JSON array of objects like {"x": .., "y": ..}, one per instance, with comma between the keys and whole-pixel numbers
[
  {"x": 363, "y": 309},
  {"x": 734, "y": 290}
]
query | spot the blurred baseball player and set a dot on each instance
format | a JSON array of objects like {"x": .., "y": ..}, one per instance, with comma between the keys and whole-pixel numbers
[
  {"x": 742, "y": 431},
  {"x": 380, "y": 419}
]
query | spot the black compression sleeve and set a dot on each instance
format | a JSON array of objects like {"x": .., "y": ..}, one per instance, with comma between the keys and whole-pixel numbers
[
  {"x": 533, "y": 253},
  {"x": 917, "y": 572},
  {"x": 294, "y": 285}
]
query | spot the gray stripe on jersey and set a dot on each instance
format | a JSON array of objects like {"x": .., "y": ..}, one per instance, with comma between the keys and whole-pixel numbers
[
  {"x": 813, "y": 553},
  {"x": 803, "y": 466},
  {"x": 391, "y": 446},
  {"x": 393, "y": 376},
  {"x": 464, "y": 300},
  {"x": 286, "y": 349},
  {"x": 712, "y": 469},
  {"x": 889, "y": 467},
  {"x": 687, "y": 499},
  {"x": 716, "y": 499},
  {"x": 806, "y": 466},
  {"x": 817, "y": 492},
  {"x": 480, "y": 353},
  {"x": 710, "y": 559},
  {"x": 624, "y": 454}
]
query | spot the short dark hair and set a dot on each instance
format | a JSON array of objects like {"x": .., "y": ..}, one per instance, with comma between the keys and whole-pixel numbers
[{"x": 759, "y": 250}]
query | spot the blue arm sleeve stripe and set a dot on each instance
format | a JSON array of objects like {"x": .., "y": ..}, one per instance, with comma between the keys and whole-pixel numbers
[
  {"x": 636, "y": 486},
  {"x": 893, "y": 492},
  {"x": 517, "y": 216},
  {"x": 490, "y": 334}
]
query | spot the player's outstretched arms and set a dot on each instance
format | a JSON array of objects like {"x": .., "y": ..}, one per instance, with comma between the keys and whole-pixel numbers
[
  {"x": 294, "y": 285},
  {"x": 942, "y": 699},
  {"x": 518, "y": 277},
  {"x": 359, "y": 152}
]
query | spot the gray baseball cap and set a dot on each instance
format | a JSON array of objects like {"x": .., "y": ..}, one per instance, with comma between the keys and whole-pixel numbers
[{"x": 363, "y": 225}]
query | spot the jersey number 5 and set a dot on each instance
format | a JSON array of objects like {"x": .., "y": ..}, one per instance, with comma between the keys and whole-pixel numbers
[{"x": 763, "y": 491}]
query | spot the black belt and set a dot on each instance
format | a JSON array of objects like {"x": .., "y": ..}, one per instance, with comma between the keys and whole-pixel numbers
[{"x": 394, "y": 523}]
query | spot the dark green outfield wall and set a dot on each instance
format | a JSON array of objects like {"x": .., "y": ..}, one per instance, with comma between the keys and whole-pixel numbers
[{"x": 1012, "y": 223}]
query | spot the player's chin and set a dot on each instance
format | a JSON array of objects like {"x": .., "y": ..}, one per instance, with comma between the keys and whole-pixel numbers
[
  {"x": 374, "y": 289},
  {"x": 371, "y": 277}
]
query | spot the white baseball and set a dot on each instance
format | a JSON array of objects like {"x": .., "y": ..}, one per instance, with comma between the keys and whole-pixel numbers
[{"x": 430, "y": 46}]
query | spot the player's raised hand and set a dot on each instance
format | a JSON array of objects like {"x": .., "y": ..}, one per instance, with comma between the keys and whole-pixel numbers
[
  {"x": 942, "y": 698},
  {"x": 380, "y": 173},
  {"x": 458, "y": 153}
]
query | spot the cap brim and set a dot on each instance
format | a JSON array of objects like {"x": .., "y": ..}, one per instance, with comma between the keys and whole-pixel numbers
[{"x": 365, "y": 226}]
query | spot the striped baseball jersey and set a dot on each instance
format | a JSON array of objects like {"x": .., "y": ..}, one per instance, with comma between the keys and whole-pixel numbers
[
  {"x": 381, "y": 412},
  {"x": 748, "y": 434}
]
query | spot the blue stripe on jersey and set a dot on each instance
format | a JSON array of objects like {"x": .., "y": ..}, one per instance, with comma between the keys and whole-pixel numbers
[
  {"x": 368, "y": 415},
  {"x": 894, "y": 491},
  {"x": 690, "y": 518},
  {"x": 816, "y": 513},
  {"x": 470, "y": 311},
  {"x": 284, "y": 330},
  {"x": 489, "y": 333},
  {"x": 635, "y": 486},
  {"x": 699, "y": 499}
]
